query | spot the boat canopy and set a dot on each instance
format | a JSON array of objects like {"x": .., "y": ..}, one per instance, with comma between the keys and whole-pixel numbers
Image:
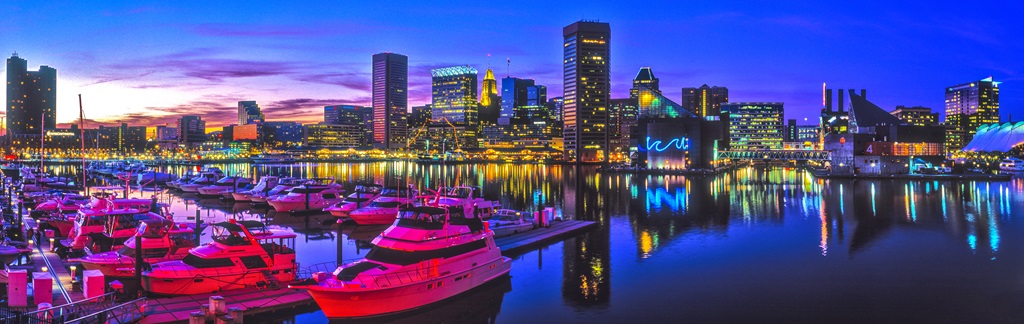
[{"x": 236, "y": 226}]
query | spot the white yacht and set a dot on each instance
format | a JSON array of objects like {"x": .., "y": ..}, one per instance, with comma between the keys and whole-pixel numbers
[
  {"x": 360, "y": 197},
  {"x": 202, "y": 180},
  {"x": 306, "y": 197},
  {"x": 225, "y": 185},
  {"x": 430, "y": 254},
  {"x": 384, "y": 209},
  {"x": 264, "y": 185},
  {"x": 1012, "y": 164},
  {"x": 469, "y": 198}
]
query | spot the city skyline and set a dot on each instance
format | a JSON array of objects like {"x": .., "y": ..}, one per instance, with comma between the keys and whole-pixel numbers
[{"x": 289, "y": 60}]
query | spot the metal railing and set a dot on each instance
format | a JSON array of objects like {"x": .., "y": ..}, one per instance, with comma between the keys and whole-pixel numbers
[
  {"x": 775, "y": 155},
  {"x": 64, "y": 313},
  {"x": 128, "y": 312}
]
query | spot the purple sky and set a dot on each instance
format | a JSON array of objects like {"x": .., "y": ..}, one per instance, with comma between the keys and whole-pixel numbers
[{"x": 147, "y": 63}]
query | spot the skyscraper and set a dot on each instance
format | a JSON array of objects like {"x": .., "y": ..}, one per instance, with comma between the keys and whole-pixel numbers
[
  {"x": 536, "y": 95},
  {"x": 390, "y": 100},
  {"x": 31, "y": 98},
  {"x": 454, "y": 106},
  {"x": 359, "y": 116},
  {"x": 490, "y": 102},
  {"x": 968, "y": 106},
  {"x": 644, "y": 77},
  {"x": 513, "y": 94},
  {"x": 249, "y": 113},
  {"x": 191, "y": 131},
  {"x": 587, "y": 87},
  {"x": 705, "y": 101}
]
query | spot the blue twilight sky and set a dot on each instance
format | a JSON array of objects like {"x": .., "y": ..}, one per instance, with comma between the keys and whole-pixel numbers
[{"x": 148, "y": 62}]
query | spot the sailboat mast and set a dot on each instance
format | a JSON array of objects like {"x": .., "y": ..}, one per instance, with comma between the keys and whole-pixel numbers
[
  {"x": 81, "y": 135},
  {"x": 42, "y": 142}
]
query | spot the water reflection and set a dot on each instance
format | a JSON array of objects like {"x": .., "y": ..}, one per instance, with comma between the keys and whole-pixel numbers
[{"x": 778, "y": 220}]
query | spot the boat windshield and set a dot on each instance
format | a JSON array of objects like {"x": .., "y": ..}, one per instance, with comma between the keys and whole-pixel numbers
[
  {"x": 422, "y": 218},
  {"x": 384, "y": 204},
  {"x": 460, "y": 192},
  {"x": 395, "y": 193},
  {"x": 367, "y": 189},
  {"x": 384, "y": 255},
  {"x": 356, "y": 200},
  {"x": 303, "y": 190}
]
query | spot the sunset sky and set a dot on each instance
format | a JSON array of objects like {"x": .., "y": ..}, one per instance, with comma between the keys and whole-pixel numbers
[{"x": 147, "y": 63}]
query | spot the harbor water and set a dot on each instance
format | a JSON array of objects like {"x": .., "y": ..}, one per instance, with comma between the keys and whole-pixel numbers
[{"x": 752, "y": 244}]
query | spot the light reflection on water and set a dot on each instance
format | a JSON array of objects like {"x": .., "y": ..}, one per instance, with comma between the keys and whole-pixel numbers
[{"x": 777, "y": 241}]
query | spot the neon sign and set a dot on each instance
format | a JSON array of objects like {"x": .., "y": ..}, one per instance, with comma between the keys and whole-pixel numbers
[{"x": 681, "y": 143}]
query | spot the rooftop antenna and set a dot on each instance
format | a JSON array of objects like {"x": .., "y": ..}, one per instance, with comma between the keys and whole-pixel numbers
[
  {"x": 508, "y": 66},
  {"x": 15, "y": 54},
  {"x": 488, "y": 61}
]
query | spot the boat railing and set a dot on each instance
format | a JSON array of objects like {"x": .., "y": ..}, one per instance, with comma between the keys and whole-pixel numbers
[{"x": 380, "y": 280}]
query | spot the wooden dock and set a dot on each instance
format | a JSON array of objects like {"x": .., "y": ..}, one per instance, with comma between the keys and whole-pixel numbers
[
  {"x": 529, "y": 240},
  {"x": 252, "y": 301},
  {"x": 255, "y": 301}
]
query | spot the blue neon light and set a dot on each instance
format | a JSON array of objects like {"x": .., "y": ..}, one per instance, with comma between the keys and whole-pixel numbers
[{"x": 681, "y": 143}]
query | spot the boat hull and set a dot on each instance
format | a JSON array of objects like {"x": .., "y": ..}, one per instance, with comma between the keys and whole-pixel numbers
[{"x": 355, "y": 302}]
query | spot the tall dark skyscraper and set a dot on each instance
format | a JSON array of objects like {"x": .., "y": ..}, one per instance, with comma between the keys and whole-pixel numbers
[
  {"x": 30, "y": 96},
  {"x": 513, "y": 94},
  {"x": 249, "y": 113},
  {"x": 969, "y": 106},
  {"x": 705, "y": 101},
  {"x": 587, "y": 87},
  {"x": 390, "y": 100},
  {"x": 191, "y": 131},
  {"x": 644, "y": 77}
]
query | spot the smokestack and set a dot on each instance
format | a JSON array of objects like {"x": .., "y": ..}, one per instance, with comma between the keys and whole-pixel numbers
[
  {"x": 864, "y": 94},
  {"x": 841, "y": 101}
]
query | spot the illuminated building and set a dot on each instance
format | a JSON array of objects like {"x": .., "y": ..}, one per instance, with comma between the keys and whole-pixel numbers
[
  {"x": 754, "y": 126},
  {"x": 166, "y": 137},
  {"x": 800, "y": 137},
  {"x": 834, "y": 118},
  {"x": 31, "y": 99},
  {"x": 513, "y": 94},
  {"x": 622, "y": 117},
  {"x": 587, "y": 89},
  {"x": 421, "y": 115},
  {"x": 390, "y": 92},
  {"x": 997, "y": 138},
  {"x": 652, "y": 104},
  {"x": 969, "y": 106},
  {"x": 668, "y": 137},
  {"x": 644, "y": 77},
  {"x": 122, "y": 138},
  {"x": 454, "y": 107},
  {"x": 281, "y": 134},
  {"x": 332, "y": 136},
  {"x": 555, "y": 105},
  {"x": 191, "y": 131},
  {"x": 705, "y": 101},
  {"x": 880, "y": 143},
  {"x": 490, "y": 102},
  {"x": 921, "y": 116},
  {"x": 536, "y": 95},
  {"x": 249, "y": 113},
  {"x": 352, "y": 115}
]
